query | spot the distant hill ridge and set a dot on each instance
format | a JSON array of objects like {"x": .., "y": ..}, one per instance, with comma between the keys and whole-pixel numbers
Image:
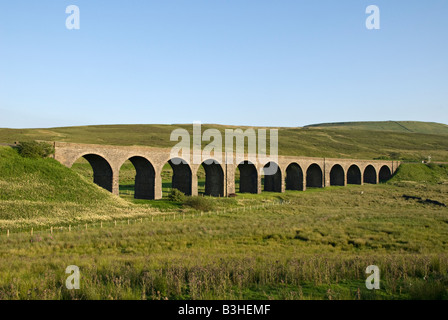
[
  {"x": 396, "y": 126},
  {"x": 394, "y": 140}
]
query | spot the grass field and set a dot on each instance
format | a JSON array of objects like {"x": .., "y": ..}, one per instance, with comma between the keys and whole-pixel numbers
[
  {"x": 313, "y": 248},
  {"x": 387, "y": 126},
  {"x": 315, "y": 245}
]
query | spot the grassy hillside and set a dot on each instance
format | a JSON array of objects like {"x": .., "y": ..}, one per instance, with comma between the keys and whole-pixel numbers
[
  {"x": 323, "y": 141},
  {"x": 42, "y": 192},
  {"x": 396, "y": 126},
  {"x": 316, "y": 245},
  {"x": 421, "y": 174}
]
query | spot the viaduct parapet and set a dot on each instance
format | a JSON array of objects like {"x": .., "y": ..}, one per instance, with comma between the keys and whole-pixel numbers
[{"x": 294, "y": 173}]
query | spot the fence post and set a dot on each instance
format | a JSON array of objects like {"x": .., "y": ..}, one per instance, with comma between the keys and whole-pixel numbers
[
  {"x": 86, "y": 226},
  {"x": 7, "y": 233},
  {"x": 101, "y": 224},
  {"x": 31, "y": 231},
  {"x": 51, "y": 230},
  {"x": 69, "y": 228}
]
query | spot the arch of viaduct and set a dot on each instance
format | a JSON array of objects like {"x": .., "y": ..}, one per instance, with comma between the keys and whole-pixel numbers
[{"x": 295, "y": 173}]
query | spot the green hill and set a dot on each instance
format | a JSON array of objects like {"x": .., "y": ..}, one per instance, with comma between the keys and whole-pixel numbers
[
  {"x": 396, "y": 126},
  {"x": 421, "y": 173},
  {"x": 315, "y": 243},
  {"x": 353, "y": 140},
  {"x": 38, "y": 192}
]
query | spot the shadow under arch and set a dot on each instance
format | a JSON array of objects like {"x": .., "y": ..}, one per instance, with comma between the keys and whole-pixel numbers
[
  {"x": 354, "y": 175},
  {"x": 294, "y": 177},
  {"x": 370, "y": 175},
  {"x": 248, "y": 177},
  {"x": 145, "y": 178},
  {"x": 272, "y": 181},
  {"x": 214, "y": 178},
  {"x": 337, "y": 176},
  {"x": 102, "y": 171},
  {"x": 314, "y": 176},
  {"x": 182, "y": 176},
  {"x": 385, "y": 174}
]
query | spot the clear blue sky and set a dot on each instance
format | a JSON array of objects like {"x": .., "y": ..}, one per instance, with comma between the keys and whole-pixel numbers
[{"x": 239, "y": 62}]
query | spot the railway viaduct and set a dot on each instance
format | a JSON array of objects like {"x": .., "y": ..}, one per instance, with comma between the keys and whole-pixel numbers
[{"x": 294, "y": 173}]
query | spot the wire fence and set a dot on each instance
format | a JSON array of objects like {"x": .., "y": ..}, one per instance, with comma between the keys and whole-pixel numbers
[{"x": 159, "y": 217}]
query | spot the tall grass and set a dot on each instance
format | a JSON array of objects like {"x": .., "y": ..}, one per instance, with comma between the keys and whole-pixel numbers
[
  {"x": 245, "y": 255},
  {"x": 316, "y": 245}
]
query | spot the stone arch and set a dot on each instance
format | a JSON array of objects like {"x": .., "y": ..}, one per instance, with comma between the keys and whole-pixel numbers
[
  {"x": 354, "y": 175},
  {"x": 182, "y": 177},
  {"x": 337, "y": 176},
  {"x": 314, "y": 176},
  {"x": 248, "y": 177},
  {"x": 294, "y": 177},
  {"x": 370, "y": 175},
  {"x": 385, "y": 173},
  {"x": 145, "y": 178},
  {"x": 102, "y": 171},
  {"x": 214, "y": 178},
  {"x": 272, "y": 181}
]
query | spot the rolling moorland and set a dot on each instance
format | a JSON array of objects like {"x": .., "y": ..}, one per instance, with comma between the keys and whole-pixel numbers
[
  {"x": 297, "y": 245},
  {"x": 412, "y": 141}
]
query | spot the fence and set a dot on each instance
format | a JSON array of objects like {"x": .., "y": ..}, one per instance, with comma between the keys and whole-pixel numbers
[{"x": 166, "y": 216}]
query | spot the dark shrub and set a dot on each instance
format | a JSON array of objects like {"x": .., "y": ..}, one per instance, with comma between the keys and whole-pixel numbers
[
  {"x": 428, "y": 290},
  {"x": 34, "y": 149},
  {"x": 176, "y": 196},
  {"x": 200, "y": 203},
  {"x": 432, "y": 165}
]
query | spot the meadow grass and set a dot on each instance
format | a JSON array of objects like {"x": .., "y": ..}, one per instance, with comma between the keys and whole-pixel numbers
[
  {"x": 396, "y": 126},
  {"x": 311, "y": 247},
  {"x": 315, "y": 245}
]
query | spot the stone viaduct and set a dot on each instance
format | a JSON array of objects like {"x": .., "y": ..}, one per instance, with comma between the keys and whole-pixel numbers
[{"x": 295, "y": 173}]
